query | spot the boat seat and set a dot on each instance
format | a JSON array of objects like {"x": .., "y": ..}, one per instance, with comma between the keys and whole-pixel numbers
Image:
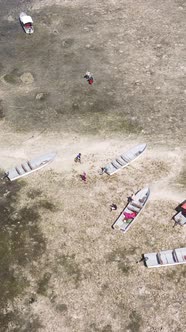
[
  {"x": 133, "y": 208},
  {"x": 159, "y": 259},
  {"x": 143, "y": 199},
  {"x": 175, "y": 256},
  {"x": 137, "y": 204},
  {"x": 29, "y": 164},
  {"x": 120, "y": 162},
  {"x": 115, "y": 165},
  {"x": 24, "y": 168},
  {"x": 17, "y": 170},
  {"x": 125, "y": 159}
]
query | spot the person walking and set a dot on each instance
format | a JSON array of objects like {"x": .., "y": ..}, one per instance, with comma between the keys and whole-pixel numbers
[
  {"x": 78, "y": 158},
  {"x": 84, "y": 177}
]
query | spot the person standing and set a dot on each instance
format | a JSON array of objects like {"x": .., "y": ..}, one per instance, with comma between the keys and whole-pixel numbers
[
  {"x": 84, "y": 177},
  {"x": 78, "y": 158},
  {"x": 89, "y": 78}
]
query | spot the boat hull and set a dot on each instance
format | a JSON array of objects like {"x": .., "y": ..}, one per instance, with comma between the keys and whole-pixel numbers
[
  {"x": 29, "y": 167},
  {"x": 124, "y": 226},
  {"x": 124, "y": 159},
  {"x": 165, "y": 258}
]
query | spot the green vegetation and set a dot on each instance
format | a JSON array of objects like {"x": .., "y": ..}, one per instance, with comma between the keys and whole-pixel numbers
[
  {"x": 93, "y": 328},
  {"x": 44, "y": 203},
  {"x": 120, "y": 256},
  {"x": 70, "y": 268},
  {"x": 2, "y": 115},
  {"x": 12, "y": 77},
  {"x": 43, "y": 284},
  {"x": 20, "y": 242},
  {"x": 61, "y": 307}
]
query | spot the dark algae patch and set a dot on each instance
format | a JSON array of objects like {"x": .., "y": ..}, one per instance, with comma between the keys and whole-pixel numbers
[
  {"x": 135, "y": 322},
  {"x": 28, "y": 324},
  {"x": 20, "y": 242},
  {"x": 43, "y": 283},
  {"x": 33, "y": 193},
  {"x": 69, "y": 268},
  {"x": 12, "y": 77},
  {"x": 94, "y": 328},
  {"x": 44, "y": 203},
  {"x": 2, "y": 115},
  {"x": 61, "y": 307},
  {"x": 120, "y": 257}
]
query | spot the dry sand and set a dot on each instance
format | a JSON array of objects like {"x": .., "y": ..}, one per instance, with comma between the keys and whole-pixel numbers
[
  {"x": 63, "y": 268},
  {"x": 87, "y": 279}
]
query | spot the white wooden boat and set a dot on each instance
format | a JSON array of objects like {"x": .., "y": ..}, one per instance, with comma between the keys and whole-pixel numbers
[
  {"x": 124, "y": 159},
  {"x": 166, "y": 257},
  {"x": 26, "y": 22},
  {"x": 134, "y": 207},
  {"x": 29, "y": 166},
  {"x": 180, "y": 219}
]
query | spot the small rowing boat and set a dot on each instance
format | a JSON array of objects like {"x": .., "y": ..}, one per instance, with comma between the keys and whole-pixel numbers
[
  {"x": 132, "y": 210},
  {"x": 29, "y": 166}
]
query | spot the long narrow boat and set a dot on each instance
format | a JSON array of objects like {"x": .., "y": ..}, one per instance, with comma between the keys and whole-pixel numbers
[
  {"x": 132, "y": 210},
  {"x": 29, "y": 166},
  {"x": 180, "y": 217},
  {"x": 166, "y": 257},
  {"x": 124, "y": 159}
]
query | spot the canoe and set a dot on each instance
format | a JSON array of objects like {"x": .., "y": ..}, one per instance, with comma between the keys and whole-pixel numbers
[
  {"x": 27, "y": 23},
  {"x": 124, "y": 159},
  {"x": 29, "y": 166},
  {"x": 180, "y": 219},
  {"x": 132, "y": 210},
  {"x": 166, "y": 257}
]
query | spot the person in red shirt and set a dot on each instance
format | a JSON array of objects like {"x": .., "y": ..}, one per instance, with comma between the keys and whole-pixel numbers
[{"x": 84, "y": 177}]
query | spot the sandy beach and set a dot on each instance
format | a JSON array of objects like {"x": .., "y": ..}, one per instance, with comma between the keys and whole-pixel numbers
[{"x": 63, "y": 267}]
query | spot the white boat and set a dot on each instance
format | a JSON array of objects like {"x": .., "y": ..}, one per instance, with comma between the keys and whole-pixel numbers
[
  {"x": 180, "y": 217},
  {"x": 124, "y": 159},
  {"x": 132, "y": 210},
  {"x": 166, "y": 257},
  {"x": 27, "y": 23},
  {"x": 29, "y": 167}
]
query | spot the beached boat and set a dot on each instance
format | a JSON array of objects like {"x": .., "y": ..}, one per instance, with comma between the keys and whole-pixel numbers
[
  {"x": 29, "y": 166},
  {"x": 180, "y": 217},
  {"x": 166, "y": 257},
  {"x": 132, "y": 210},
  {"x": 124, "y": 159},
  {"x": 27, "y": 23}
]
